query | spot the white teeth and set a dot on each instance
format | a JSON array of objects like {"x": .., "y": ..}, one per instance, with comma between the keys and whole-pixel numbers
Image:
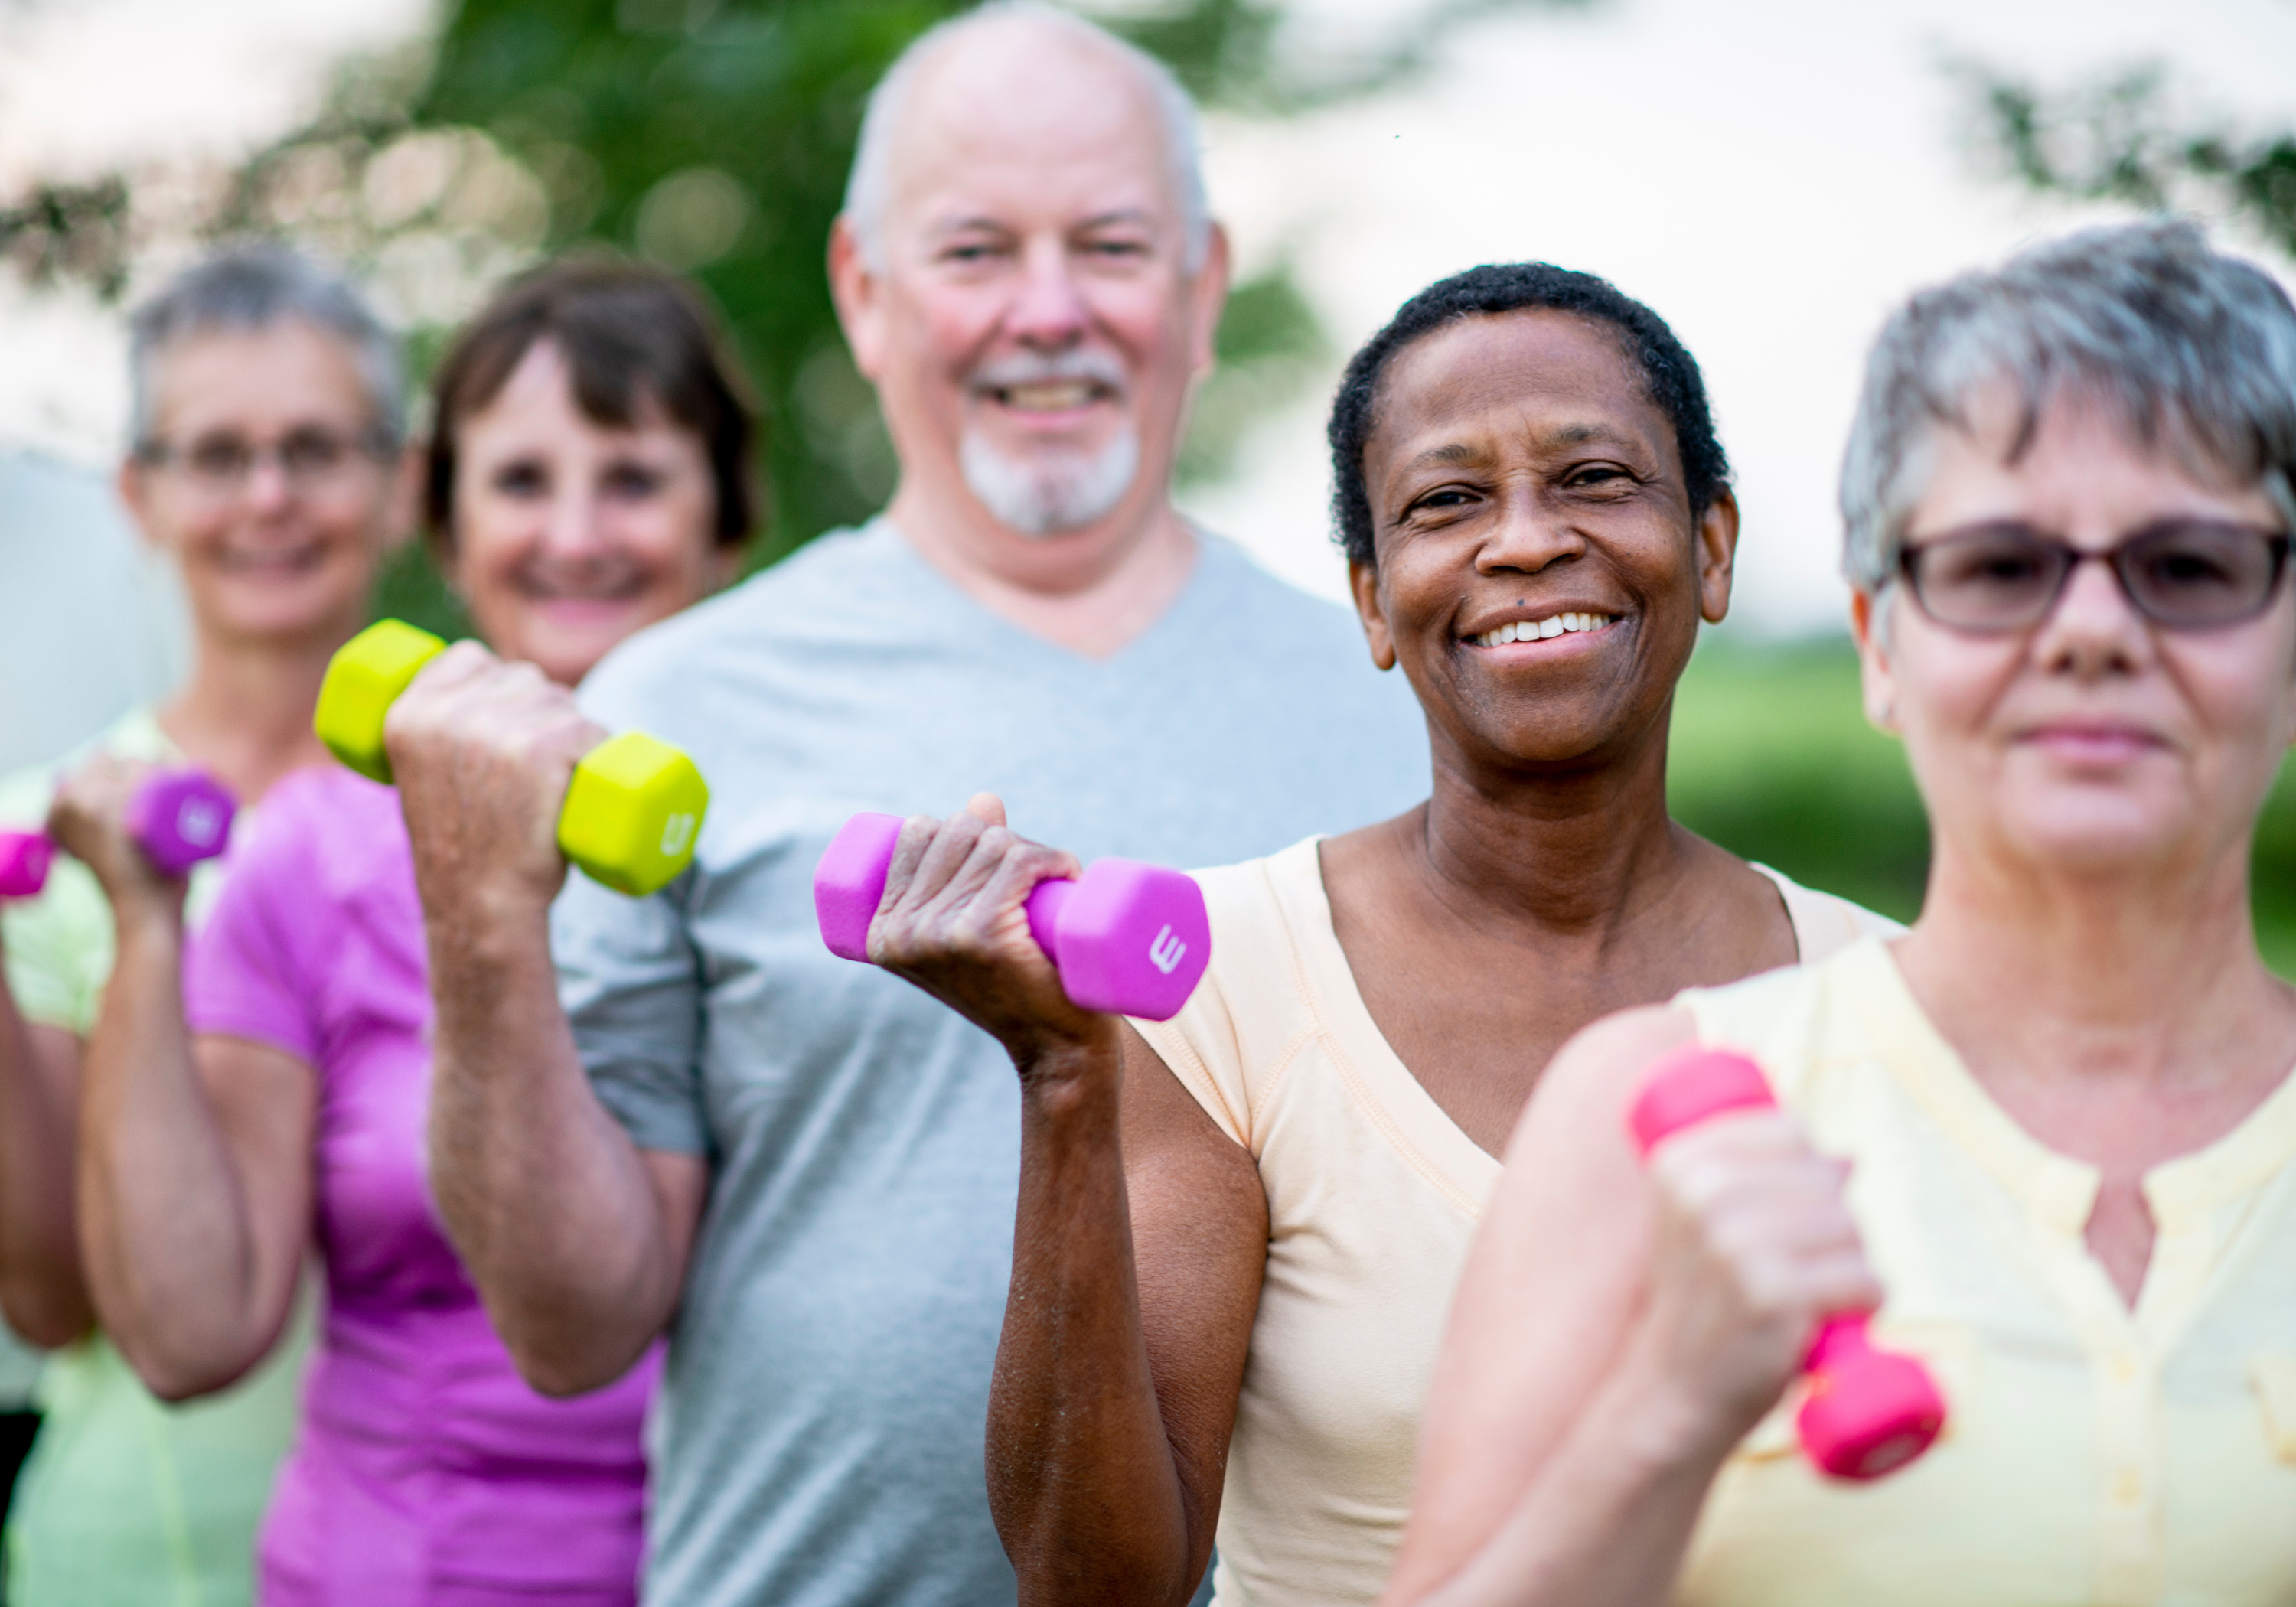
[{"x": 1536, "y": 630}]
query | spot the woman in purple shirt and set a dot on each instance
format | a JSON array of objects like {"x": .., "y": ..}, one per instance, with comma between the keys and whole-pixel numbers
[{"x": 588, "y": 476}]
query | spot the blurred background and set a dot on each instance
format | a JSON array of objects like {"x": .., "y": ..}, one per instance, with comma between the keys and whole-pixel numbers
[{"x": 1772, "y": 176}]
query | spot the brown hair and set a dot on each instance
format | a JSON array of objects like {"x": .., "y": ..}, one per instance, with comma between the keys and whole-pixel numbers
[{"x": 630, "y": 334}]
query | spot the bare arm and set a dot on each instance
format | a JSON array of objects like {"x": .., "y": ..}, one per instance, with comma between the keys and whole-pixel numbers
[
  {"x": 577, "y": 1238},
  {"x": 1136, "y": 1263},
  {"x": 1616, "y": 1335},
  {"x": 42, "y": 1293}
]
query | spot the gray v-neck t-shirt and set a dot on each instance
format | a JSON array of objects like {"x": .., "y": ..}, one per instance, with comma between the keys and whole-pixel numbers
[{"x": 819, "y": 1436}]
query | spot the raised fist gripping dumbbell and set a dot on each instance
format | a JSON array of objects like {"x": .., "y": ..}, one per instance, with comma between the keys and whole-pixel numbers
[
  {"x": 1868, "y": 1411},
  {"x": 633, "y": 809},
  {"x": 177, "y": 818},
  {"x": 1126, "y": 937}
]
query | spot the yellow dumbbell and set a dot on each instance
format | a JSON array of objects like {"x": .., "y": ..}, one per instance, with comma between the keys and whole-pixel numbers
[{"x": 632, "y": 811}]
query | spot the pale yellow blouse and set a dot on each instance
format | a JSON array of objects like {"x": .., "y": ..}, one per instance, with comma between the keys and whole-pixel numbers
[
  {"x": 1373, "y": 1197},
  {"x": 2092, "y": 1454}
]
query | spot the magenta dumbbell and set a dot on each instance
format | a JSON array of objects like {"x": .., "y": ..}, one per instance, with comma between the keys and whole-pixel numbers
[
  {"x": 179, "y": 817},
  {"x": 1126, "y": 937},
  {"x": 24, "y": 860},
  {"x": 1868, "y": 1412}
]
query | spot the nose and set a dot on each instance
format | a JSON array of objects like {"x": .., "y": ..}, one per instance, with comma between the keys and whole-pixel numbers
[
  {"x": 1049, "y": 310},
  {"x": 2093, "y": 630},
  {"x": 572, "y": 529},
  {"x": 1528, "y": 536},
  {"x": 266, "y": 488}
]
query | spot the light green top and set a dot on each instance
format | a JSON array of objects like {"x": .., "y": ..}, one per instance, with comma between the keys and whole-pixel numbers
[{"x": 127, "y": 1500}]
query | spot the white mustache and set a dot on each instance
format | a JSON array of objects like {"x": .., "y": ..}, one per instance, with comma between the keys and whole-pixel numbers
[{"x": 1039, "y": 368}]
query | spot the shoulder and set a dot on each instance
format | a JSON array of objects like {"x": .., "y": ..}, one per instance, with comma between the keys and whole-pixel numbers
[
  {"x": 1281, "y": 617},
  {"x": 1824, "y": 923},
  {"x": 24, "y": 794},
  {"x": 1791, "y": 1020},
  {"x": 318, "y": 838},
  {"x": 828, "y": 589},
  {"x": 1249, "y": 1008}
]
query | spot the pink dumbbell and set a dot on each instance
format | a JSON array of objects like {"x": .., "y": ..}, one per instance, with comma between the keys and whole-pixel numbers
[
  {"x": 1868, "y": 1411},
  {"x": 177, "y": 817},
  {"x": 1127, "y": 938},
  {"x": 24, "y": 859}
]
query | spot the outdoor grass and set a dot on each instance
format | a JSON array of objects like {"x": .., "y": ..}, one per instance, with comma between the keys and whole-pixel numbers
[{"x": 1772, "y": 758}]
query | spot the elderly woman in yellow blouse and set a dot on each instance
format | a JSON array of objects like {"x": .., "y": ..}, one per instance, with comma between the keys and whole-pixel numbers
[{"x": 2049, "y": 1131}]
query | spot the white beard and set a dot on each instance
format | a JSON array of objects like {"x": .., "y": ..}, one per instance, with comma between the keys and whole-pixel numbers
[{"x": 1052, "y": 492}]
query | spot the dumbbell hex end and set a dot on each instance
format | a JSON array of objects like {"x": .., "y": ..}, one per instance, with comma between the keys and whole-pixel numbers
[
  {"x": 1132, "y": 939},
  {"x": 179, "y": 817},
  {"x": 849, "y": 882},
  {"x": 24, "y": 860},
  {"x": 633, "y": 811},
  {"x": 363, "y": 680}
]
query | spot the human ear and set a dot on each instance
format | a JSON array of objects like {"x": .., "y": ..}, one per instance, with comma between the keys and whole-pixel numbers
[
  {"x": 1870, "y": 627},
  {"x": 1206, "y": 299},
  {"x": 1717, "y": 551},
  {"x": 1362, "y": 581},
  {"x": 859, "y": 294}
]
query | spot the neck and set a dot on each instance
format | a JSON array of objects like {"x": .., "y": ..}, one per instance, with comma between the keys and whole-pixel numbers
[
  {"x": 2147, "y": 973},
  {"x": 1583, "y": 852},
  {"x": 245, "y": 715},
  {"x": 1092, "y": 591}
]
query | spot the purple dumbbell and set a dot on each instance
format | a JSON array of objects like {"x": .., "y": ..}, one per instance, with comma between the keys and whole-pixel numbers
[
  {"x": 1127, "y": 938},
  {"x": 179, "y": 817},
  {"x": 24, "y": 859}
]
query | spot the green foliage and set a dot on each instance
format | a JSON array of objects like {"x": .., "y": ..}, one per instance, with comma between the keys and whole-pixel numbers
[
  {"x": 1772, "y": 758},
  {"x": 2121, "y": 137}
]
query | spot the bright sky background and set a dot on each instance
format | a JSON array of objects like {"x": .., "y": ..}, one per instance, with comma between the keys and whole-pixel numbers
[{"x": 1772, "y": 176}]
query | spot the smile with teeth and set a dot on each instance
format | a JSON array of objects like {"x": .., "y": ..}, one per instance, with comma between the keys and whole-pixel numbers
[
  {"x": 1049, "y": 396},
  {"x": 1533, "y": 630}
]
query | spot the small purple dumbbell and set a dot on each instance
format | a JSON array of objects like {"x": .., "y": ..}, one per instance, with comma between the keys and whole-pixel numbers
[
  {"x": 24, "y": 859},
  {"x": 1127, "y": 938},
  {"x": 179, "y": 817}
]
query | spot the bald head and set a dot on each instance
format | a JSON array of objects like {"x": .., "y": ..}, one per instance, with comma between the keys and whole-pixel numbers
[{"x": 1016, "y": 81}]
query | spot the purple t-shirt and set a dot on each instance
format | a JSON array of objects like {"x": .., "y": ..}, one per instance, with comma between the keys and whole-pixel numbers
[{"x": 424, "y": 1470}]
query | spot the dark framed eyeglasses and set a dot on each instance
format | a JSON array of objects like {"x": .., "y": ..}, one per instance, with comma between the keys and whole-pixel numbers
[
  {"x": 2181, "y": 574},
  {"x": 309, "y": 457}
]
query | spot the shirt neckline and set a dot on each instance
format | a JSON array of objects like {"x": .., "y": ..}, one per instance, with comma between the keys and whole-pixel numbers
[
  {"x": 1460, "y": 1169},
  {"x": 2059, "y": 1189},
  {"x": 1209, "y": 549}
]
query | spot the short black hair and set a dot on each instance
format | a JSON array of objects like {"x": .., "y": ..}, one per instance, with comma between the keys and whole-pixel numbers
[
  {"x": 1669, "y": 373},
  {"x": 629, "y": 332}
]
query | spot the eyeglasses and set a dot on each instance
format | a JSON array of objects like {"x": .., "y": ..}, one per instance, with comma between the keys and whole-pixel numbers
[
  {"x": 309, "y": 459},
  {"x": 2181, "y": 574}
]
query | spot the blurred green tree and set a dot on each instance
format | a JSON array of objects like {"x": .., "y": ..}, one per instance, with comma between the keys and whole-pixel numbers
[
  {"x": 2123, "y": 137},
  {"x": 714, "y": 136}
]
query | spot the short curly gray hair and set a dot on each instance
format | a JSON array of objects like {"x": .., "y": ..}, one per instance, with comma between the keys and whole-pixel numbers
[{"x": 2192, "y": 350}]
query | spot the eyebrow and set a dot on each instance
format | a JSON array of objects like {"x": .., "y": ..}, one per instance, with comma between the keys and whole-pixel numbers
[{"x": 1100, "y": 220}]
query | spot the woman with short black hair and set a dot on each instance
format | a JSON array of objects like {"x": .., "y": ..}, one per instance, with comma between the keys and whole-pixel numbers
[{"x": 1239, "y": 1229}]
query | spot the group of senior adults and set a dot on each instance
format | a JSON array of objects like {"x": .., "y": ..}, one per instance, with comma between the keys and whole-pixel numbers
[{"x": 1350, "y": 1267}]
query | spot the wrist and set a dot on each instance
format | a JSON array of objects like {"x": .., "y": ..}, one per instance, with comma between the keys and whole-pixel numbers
[
  {"x": 1070, "y": 1076},
  {"x": 143, "y": 918},
  {"x": 1666, "y": 1425}
]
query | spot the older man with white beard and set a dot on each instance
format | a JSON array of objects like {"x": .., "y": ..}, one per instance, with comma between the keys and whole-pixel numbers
[{"x": 805, "y": 1170}]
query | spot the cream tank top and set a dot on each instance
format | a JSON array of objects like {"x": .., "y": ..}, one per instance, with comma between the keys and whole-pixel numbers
[
  {"x": 2092, "y": 1454},
  {"x": 1373, "y": 1197}
]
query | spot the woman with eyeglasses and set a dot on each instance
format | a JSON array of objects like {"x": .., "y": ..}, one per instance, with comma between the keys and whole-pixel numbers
[
  {"x": 2046, "y": 1137},
  {"x": 587, "y": 475},
  {"x": 267, "y": 466}
]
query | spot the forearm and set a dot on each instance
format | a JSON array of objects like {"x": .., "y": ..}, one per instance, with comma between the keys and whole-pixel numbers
[
  {"x": 42, "y": 1292},
  {"x": 1609, "y": 1518},
  {"x": 542, "y": 1191},
  {"x": 171, "y": 1258},
  {"x": 1085, "y": 1490}
]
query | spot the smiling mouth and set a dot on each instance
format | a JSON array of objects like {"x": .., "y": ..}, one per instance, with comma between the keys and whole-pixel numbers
[
  {"x": 1536, "y": 630},
  {"x": 1049, "y": 396},
  {"x": 294, "y": 561}
]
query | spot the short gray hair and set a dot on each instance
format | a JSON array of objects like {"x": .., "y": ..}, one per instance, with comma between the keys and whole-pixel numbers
[
  {"x": 868, "y": 189},
  {"x": 2192, "y": 350},
  {"x": 255, "y": 285}
]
